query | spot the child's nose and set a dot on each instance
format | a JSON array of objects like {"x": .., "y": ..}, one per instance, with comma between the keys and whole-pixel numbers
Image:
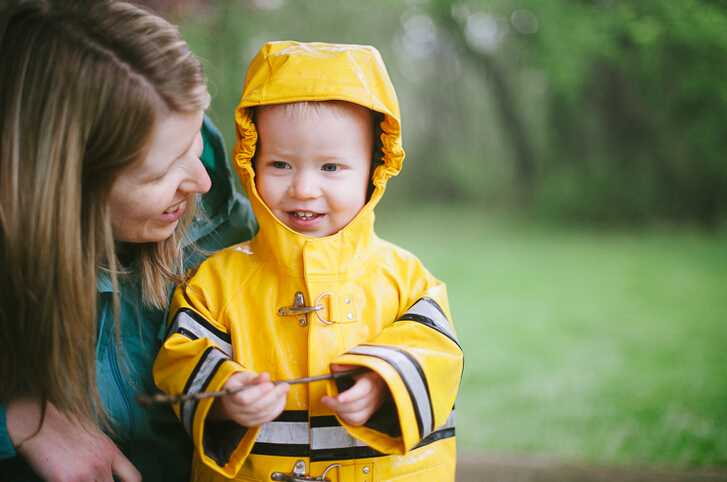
[{"x": 304, "y": 186}]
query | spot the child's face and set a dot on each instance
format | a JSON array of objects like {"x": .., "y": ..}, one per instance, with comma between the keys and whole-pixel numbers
[{"x": 313, "y": 169}]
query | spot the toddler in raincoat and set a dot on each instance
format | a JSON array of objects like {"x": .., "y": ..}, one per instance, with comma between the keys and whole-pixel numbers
[{"x": 316, "y": 291}]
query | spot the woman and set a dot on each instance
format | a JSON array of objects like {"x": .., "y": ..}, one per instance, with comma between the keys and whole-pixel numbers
[{"x": 101, "y": 134}]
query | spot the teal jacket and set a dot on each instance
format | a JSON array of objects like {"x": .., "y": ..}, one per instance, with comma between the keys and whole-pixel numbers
[{"x": 152, "y": 437}]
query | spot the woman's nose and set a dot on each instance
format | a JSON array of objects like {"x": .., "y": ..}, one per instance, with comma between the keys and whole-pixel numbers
[{"x": 197, "y": 180}]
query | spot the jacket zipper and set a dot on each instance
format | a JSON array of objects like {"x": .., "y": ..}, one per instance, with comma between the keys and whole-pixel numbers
[{"x": 113, "y": 360}]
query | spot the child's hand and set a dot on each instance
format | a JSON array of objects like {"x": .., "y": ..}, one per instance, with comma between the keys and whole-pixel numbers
[
  {"x": 255, "y": 406},
  {"x": 359, "y": 402}
]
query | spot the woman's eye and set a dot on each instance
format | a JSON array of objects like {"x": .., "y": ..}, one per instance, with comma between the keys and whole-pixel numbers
[
  {"x": 330, "y": 167},
  {"x": 159, "y": 176}
]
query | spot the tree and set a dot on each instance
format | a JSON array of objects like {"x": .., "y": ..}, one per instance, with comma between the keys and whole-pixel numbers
[{"x": 585, "y": 110}]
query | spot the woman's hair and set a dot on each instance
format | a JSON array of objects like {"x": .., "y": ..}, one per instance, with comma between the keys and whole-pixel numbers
[{"x": 81, "y": 87}]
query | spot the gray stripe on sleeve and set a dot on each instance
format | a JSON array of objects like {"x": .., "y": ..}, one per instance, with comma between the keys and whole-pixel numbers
[
  {"x": 184, "y": 323},
  {"x": 206, "y": 369},
  {"x": 427, "y": 308},
  {"x": 411, "y": 373}
]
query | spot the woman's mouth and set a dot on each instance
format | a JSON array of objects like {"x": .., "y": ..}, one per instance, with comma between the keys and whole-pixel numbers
[
  {"x": 174, "y": 208},
  {"x": 173, "y": 213}
]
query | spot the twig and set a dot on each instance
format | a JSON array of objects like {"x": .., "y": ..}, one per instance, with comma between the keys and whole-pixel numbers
[{"x": 161, "y": 398}]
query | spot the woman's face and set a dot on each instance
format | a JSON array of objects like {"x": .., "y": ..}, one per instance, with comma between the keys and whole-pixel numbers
[{"x": 149, "y": 196}]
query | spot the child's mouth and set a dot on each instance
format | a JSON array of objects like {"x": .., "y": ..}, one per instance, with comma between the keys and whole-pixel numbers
[{"x": 304, "y": 215}]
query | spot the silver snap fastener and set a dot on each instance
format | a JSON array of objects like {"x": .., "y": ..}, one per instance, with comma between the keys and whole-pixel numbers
[
  {"x": 347, "y": 300},
  {"x": 349, "y": 316},
  {"x": 365, "y": 470}
]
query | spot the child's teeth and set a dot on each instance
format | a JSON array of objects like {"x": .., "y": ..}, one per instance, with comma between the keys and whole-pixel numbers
[{"x": 304, "y": 215}]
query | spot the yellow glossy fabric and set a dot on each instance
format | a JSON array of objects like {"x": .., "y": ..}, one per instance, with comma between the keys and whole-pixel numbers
[{"x": 368, "y": 288}]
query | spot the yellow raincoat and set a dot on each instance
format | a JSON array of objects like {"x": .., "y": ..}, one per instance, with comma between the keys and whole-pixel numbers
[{"x": 378, "y": 307}]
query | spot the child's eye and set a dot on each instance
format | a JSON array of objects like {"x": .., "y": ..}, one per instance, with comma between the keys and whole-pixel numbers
[
  {"x": 279, "y": 164},
  {"x": 330, "y": 167}
]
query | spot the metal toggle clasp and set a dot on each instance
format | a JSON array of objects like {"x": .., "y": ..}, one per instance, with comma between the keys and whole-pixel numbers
[
  {"x": 298, "y": 474},
  {"x": 300, "y": 310}
]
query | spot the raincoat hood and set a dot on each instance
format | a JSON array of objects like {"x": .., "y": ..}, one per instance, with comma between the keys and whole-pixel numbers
[{"x": 287, "y": 72}]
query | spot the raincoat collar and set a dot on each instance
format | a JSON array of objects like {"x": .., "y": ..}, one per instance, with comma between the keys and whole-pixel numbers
[{"x": 286, "y": 72}]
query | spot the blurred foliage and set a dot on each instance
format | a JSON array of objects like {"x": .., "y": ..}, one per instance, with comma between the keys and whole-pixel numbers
[{"x": 600, "y": 111}]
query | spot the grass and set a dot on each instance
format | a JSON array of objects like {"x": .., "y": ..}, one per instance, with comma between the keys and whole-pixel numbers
[{"x": 605, "y": 347}]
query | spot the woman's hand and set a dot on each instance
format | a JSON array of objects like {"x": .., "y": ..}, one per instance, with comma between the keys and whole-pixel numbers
[
  {"x": 65, "y": 449},
  {"x": 359, "y": 402},
  {"x": 253, "y": 407}
]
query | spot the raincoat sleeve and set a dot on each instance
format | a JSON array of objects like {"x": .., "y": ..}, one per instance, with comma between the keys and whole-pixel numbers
[
  {"x": 197, "y": 356},
  {"x": 421, "y": 361}
]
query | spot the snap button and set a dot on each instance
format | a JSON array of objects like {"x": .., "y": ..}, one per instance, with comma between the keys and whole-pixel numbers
[
  {"x": 347, "y": 300},
  {"x": 365, "y": 470},
  {"x": 349, "y": 316}
]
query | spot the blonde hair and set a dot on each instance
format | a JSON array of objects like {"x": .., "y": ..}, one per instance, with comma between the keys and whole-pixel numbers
[
  {"x": 300, "y": 109},
  {"x": 81, "y": 87}
]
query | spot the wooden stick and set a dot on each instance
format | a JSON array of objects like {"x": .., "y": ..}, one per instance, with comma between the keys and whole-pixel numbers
[{"x": 161, "y": 398}]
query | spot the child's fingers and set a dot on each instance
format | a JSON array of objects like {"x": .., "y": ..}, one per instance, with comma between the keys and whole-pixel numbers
[
  {"x": 363, "y": 386},
  {"x": 341, "y": 407},
  {"x": 262, "y": 378},
  {"x": 355, "y": 415},
  {"x": 260, "y": 396},
  {"x": 239, "y": 379},
  {"x": 337, "y": 367},
  {"x": 251, "y": 395},
  {"x": 265, "y": 408},
  {"x": 355, "y": 405},
  {"x": 268, "y": 414},
  {"x": 349, "y": 402},
  {"x": 274, "y": 396}
]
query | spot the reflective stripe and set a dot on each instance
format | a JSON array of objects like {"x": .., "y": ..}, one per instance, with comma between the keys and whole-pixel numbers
[
  {"x": 431, "y": 312},
  {"x": 450, "y": 423},
  {"x": 412, "y": 376},
  {"x": 297, "y": 433},
  {"x": 284, "y": 433},
  {"x": 324, "y": 438},
  {"x": 286, "y": 437},
  {"x": 191, "y": 324},
  {"x": 198, "y": 381}
]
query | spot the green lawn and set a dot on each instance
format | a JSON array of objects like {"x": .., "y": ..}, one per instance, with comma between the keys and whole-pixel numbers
[{"x": 602, "y": 346}]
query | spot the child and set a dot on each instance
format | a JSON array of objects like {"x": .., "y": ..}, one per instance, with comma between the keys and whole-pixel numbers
[{"x": 316, "y": 291}]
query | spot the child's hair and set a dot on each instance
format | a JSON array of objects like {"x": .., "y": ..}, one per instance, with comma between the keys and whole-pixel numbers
[
  {"x": 81, "y": 89},
  {"x": 299, "y": 109}
]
